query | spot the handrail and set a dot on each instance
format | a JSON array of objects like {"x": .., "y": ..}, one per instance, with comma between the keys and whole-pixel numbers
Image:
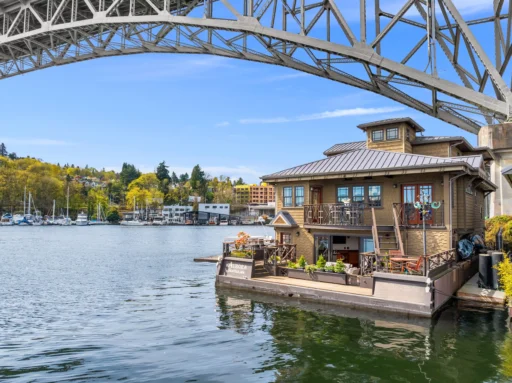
[
  {"x": 335, "y": 214},
  {"x": 375, "y": 233},
  {"x": 436, "y": 260},
  {"x": 398, "y": 234}
]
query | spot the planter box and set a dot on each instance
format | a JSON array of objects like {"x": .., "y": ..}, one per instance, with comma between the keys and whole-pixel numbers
[
  {"x": 318, "y": 276},
  {"x": 352, "y": 280}
]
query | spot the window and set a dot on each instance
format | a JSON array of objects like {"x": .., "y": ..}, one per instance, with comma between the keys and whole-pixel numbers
[
  {"x": 287, "y": 196},
  {"x": 299, "y": 195},
  {"x": 342, "y": 194},
  {"x": 392, "y": 134},
  {"x": 375, "y": 196},
  {"x": 358, "y": 194},
  {"x": 286, "y": 238},
  {"x": 378, "y": 135}
]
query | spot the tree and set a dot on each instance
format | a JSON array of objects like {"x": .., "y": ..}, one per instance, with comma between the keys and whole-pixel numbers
[
  {"x": 13, "y": 156},
  {"x": 197, "y": 177},
  {"x": 162, "y": 171},
  {"x": 113, "y": 215},
  {"x": 184, "y": 178},
  {"x": 128, "y": 174},
  {"x": 239, "y": 181},
  {"x": 3, "y": 150},
  {"x": 174, "y": 179}
]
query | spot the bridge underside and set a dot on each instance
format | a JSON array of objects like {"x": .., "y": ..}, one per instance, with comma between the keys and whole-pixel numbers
[{"x": 308, "y": 36}]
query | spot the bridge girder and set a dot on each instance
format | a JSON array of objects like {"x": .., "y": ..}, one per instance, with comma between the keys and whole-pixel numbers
[{"x": 37, "y": 34}]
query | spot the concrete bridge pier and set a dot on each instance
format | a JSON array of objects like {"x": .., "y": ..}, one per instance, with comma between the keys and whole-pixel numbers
[{"x": 499, "y": 139}]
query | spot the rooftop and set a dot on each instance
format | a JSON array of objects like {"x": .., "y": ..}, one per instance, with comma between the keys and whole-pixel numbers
[
  {"x": 372, "y": 160},
  {"x": 390, "y": 121}
]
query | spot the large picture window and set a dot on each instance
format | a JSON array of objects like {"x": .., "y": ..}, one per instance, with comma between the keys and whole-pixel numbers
[
  {"x": 287, "y": 196},
  {"x": 299, "y": 195},
  {"x": 370, "y": 194}
]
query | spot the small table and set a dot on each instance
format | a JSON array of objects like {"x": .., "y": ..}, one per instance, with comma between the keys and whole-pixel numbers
[{"x": 402, "y": 262}]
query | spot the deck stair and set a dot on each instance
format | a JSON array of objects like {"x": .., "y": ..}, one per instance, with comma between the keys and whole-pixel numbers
[
  {"x": 259, "y": 270},
  {"x": 388, "y": 241}
]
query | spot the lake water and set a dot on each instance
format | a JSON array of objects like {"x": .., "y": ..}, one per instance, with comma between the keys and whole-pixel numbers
[{"x": 128, "y": 304}]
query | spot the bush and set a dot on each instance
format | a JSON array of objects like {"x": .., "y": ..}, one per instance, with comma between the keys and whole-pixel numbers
[
  {"x": 505, "y": 273},
  {"x": 339, "y": 267},
  {"x": 241, "y": 253},
  {"x": 493, "y": 225},
  {"x": 292, "y": 265},
  {"x": 320, "y": 263},
  {"x": 302, "y": 262},
  {"x": 113, "y": 215},
  {"x": 310, "y": 269}
]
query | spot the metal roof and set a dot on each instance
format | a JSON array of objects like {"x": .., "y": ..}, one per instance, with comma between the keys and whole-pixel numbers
[
  {"x": 344, "y": 147},
  {"x": 389, "y": 121},
  {"x": 370, "y": 160}
]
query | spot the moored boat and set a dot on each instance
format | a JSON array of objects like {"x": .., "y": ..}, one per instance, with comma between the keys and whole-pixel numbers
[
  {"x": 7, "y": 220},
  {"x": 81, "y": 219}
]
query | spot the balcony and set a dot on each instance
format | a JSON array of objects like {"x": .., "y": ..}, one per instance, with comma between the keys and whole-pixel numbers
[
  {"x": 335, "y": 214},
  {"x": 409, "y": 216}
]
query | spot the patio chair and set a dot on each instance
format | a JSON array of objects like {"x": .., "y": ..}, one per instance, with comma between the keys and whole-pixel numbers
[{"x": 415, "y": 267}]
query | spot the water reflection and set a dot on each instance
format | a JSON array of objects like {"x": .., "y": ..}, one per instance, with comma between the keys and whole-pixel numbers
[{"x": 315, "y": 342}]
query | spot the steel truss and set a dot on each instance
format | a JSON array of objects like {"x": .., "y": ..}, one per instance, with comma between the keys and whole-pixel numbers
[{"x": 307, "y": 35}]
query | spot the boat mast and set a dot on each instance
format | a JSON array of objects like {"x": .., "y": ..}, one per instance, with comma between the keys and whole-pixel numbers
[
  {"x": 29, "y": 200},
  {"x": 53, "y": 211},
  {"x": 25, "y": 201},
  {"x": 134, "y": 208},
  {"x": 67, "y": 204}
]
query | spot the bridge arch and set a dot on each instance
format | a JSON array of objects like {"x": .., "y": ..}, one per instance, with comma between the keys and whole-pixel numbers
[{"x": 43, "y": 33}]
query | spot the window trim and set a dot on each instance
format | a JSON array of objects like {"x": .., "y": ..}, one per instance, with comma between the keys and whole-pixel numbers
[
  {"x": 366, "y": 186},
  {"x": 373, "y": 135},
  {"x": 290, "y": 196},
  {"x": 295, "y": 195},
  {"x": 397, "y": 134}
]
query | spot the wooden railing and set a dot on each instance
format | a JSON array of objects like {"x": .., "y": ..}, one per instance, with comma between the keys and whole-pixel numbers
[
  {"x": 375, "y": 234},
  {"x": 398, "y": 234},
  {"x": 334, "y": 214},
  {"x": 278, "y": 255},
  {"x": 409, "y": 216},
  {"x": 440, "y": 259}
]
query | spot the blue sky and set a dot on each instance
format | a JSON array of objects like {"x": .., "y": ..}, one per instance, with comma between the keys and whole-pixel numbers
[{"x": 232, "y": 117}]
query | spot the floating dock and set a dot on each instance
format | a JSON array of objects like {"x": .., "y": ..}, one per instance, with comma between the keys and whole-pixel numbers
[
  {"x": 210, "y": 259},
  {"x": 472, "y": 292}
]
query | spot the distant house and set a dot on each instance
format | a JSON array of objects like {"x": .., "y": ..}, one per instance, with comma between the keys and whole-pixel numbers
[
  {"x": 218, "y": 208},
  {"x": 174, "y": 212}
]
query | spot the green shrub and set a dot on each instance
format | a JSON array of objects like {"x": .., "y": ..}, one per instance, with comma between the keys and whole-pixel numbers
[
  {"x": 241, "y": 253},
  {"x": 292, "y": 265},
  {"x": 505, "y": 273},
  {"x": 310, "y": 269},
  {"x": 339, "y": 267},
  {"x": 329, "y": 268},
  {"x": 301, "y": 262},
  {"x": 493, "y": 225},
  {"x": 320, "y": 263}
]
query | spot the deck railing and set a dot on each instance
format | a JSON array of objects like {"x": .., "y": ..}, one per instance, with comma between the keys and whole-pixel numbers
[
  {"x": 409, "y": 216},
  {"x": 278, "y": 255},
  {"x": 335, "y": 214}
]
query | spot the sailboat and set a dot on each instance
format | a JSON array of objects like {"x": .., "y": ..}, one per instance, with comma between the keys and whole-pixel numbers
[
  {"x": 66, "y": 221},
  {"x": 100, "y": 217},
  {"x": 134, "y": 222},
  {"x": 21, "y": 219}
]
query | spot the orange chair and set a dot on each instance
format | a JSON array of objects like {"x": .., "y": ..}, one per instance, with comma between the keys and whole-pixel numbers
[{"x": 415, "y": 267}]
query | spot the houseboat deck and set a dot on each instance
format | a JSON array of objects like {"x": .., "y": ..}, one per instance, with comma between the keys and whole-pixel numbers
[{"x": 472, "y": 292}]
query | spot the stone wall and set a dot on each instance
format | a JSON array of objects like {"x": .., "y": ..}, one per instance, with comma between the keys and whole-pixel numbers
[{"x": 437, "y": 241}]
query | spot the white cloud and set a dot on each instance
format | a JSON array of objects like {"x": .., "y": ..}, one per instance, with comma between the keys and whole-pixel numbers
[
  {"x": 33, "y": 141},
  {"x": 323, "y": 115},
  {"x": 221, "y": 124}
]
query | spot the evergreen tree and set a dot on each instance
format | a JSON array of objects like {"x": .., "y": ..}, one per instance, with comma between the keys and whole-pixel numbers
[
  {"x": 128, "y": 174},
  {"x": 239, "y": 181},
  {"x": 13, "y": 156},
  {"x": 3, "y": 150},
  {"x": 184, "y": 178},
  {"x": 197, "y": 178},
  {"x": 162, "y": 171},
  {"x": 174, "y": 179}
]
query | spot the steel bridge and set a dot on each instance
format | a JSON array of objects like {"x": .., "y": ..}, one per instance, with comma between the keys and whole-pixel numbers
[{"x": 449, "y": 71}]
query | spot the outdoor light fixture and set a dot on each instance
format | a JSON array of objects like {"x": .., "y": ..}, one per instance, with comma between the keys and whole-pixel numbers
[
  {"x": 297, "y": 233},
  {"x": 395, "y": 186}
]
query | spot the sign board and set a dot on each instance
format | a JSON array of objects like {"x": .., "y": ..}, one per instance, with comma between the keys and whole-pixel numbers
[{"x": 237, "y": 268}]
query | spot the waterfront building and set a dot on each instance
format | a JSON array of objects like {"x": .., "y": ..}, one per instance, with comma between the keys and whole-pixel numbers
[
  {"x": 241, "y": 194},
  {"x": 253, "y": 194},
  {"x": 175, "y": 212},
  {"x": 364, "y": 194},
  {"x": 215, "y": 208}
]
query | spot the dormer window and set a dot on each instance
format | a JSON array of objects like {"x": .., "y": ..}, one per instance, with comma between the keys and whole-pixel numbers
[
  {"x": 378, "y": 135},
  {"x": 392, "y": 134}
]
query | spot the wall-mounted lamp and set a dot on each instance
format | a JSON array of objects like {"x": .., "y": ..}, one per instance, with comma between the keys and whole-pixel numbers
[
  {"x": 297, "y": 233},
  {"x": 395, "y": 186}
]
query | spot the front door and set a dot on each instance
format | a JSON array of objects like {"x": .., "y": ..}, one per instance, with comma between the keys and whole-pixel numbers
[
  {"x": 322, "y": 247},
  {"x": 315, "y": 199},
  {"x": 415, "y": 193}
]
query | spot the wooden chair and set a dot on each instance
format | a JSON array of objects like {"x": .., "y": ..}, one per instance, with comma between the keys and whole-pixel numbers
[{"x": 415, "y": 267}]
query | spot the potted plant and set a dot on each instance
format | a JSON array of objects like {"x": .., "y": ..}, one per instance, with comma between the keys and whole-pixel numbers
[
  {"x": 329, "y": 269},
  {"x": 339, "y": 267},
  {"x": 310, "y": 269},
  {"x": 292, "y": 265},
  {"x": 301, "y": 263},
  {"x": 505, "y": 273},
  {"x": 320, "y": 263}
]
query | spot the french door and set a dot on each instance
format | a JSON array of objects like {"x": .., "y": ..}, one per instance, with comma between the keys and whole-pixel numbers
[
  {"x": 315, "y": 199},
  {"x": 410, "y": 195}
]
